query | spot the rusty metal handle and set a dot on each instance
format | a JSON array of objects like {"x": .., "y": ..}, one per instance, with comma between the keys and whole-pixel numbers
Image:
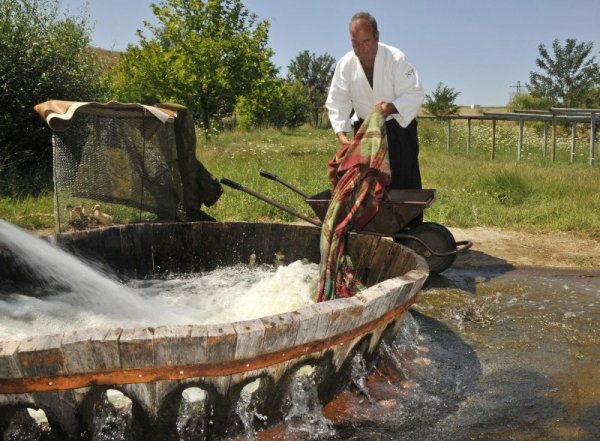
[
  {"x": 463, "y": 245},
  {"x": 231, "y": 183},
  {"x": 268, "y": 200},
  {"x": 274, "y": 177},
  {"x": 268, "y": 175}
]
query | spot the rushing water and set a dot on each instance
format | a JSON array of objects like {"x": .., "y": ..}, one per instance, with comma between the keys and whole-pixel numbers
[
  {"x": 489, "y": 353},
  {"x": 71, "y": 294},
  {"x": 492, "y": 353}
]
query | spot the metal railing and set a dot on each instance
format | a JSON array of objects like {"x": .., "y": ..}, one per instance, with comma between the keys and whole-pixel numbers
[{"x": 551, "y": 118}]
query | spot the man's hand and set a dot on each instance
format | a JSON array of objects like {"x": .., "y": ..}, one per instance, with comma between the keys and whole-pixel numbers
[
  {"x": 386, "y": 109},
  {"x": 342, "y": 138}
]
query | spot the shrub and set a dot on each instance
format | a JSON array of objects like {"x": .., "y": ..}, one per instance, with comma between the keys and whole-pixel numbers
[{"x": 42, "y": 56}]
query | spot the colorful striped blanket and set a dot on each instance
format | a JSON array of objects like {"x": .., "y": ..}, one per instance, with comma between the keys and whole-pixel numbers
[{"x": 359, "y": 173}]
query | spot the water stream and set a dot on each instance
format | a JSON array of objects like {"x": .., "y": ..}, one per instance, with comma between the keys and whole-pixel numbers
[
  {"x": 71, "y": 294},
  {"x": 490, "y": 353}
]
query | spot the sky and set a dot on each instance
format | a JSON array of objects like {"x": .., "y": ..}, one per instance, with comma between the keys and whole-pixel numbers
[{"x": 480, "y": 48}]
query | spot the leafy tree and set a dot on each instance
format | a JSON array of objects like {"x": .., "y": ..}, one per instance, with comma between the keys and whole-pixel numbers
[
  {"x": 314, "y": 73},
  {"x": 442, "y": 101},
  {"x": 592, "y": 98},
  {"x": 262, "y": 105},
  {"x": 43, "y": 55},
  {"x": 527, "y": 101},
  {"x": 204, "y": 54},
  {"x": 279, "y": 103},
  {"x": 568, "y": 74}
]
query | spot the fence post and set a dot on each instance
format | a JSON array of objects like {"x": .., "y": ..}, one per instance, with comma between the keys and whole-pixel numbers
[
  {"x": 494, "y": 138},
  {"x": 553, "y": 154},
  {"x": 520, "y": 146},
  {"x": 545, "y": 139},
  {"x": 573, "y": 140},
  {"x": 468, "y": 135},
  {"x": 449, "y": 132},
  {"x": 592, "y": 137}
]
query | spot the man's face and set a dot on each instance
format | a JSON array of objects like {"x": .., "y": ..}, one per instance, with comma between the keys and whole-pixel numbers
[{"x": 364, "y": 42}]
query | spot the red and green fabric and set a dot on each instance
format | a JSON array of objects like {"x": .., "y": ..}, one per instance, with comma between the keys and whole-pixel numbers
[{"x": 359, "y": 173}]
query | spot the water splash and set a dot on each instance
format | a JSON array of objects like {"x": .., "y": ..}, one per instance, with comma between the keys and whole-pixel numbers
[
  {"x": 74, "y": 295},
  {"x": 192, "y": 417},
  {"x": 71, "y": 282},
  {"x": 358, "y": 374},
  {"x": 246, "y": 409},
  {"x": 28, "y": 424},
  {"x": 113, "y": 418},
  {"x": 305, "y": 418}
]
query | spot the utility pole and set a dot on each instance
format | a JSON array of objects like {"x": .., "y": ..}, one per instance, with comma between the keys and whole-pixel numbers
[{"x": 518, "y": 86}]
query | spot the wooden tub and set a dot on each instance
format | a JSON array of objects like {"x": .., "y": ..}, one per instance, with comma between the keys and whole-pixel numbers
[{"x": 67, "y": 375}]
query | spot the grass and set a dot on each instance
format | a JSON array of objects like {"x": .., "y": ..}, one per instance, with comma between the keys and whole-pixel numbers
[{"x": 533, "y": 194}]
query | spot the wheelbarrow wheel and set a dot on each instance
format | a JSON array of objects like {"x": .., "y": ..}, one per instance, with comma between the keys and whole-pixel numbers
[{"x": 438, "y": 238}]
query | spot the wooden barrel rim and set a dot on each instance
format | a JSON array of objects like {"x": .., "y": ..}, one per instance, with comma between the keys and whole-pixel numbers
[{"x": 180, "y": 372}]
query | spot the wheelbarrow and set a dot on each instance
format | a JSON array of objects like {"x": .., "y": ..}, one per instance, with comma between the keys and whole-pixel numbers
[{"x": 394, "y": 219}]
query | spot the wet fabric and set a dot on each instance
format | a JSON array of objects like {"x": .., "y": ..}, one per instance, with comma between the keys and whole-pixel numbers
[{"x": 359, "y": 173}]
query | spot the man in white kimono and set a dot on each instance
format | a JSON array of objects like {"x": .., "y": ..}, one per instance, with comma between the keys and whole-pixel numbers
[{"x": 373, "y": 74}]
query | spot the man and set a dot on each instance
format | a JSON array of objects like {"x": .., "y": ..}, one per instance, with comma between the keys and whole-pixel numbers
[{"x": 375, "y": 74}]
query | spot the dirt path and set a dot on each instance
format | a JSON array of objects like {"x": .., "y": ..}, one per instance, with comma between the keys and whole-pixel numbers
[{"x": 494, "y": 246}]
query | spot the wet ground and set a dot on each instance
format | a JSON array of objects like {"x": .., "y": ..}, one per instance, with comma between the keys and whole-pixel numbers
[{"x": 491, "y": 352}]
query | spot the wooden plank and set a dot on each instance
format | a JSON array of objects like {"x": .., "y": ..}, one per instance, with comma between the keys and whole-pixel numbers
[
  {"x": 323, "y": 311},
  {"x": 144, "y": 394},
  {"x": 173, "y": 345},
  {"x": 308, "y": 320},
  {"x": 361, "y": 250},
  {"x": 63, "y": 407},
  {"x": 77, "y": 350},
  {"x": 168, "y": 249},
  {"x": 400, "y": 261},
  {"x": 106, "y": 350},
  {"x": 198, "y": 243},
  {"x": 41, "y": 356},
  {"x": 249, "y": 335},
  {"x": 281, "y": 331},
  {"x": 379, "y": 262},
  {"x": 220, "y": 344},
  {"x": 376, "y": 301},
  {"x": 136, "y": 348},
  {"x": 399, "y": 289},
  {"x": 180, "y": 345},
  {"x": 136, "y": 249},
  {"x": 345, "y": 315},
  {"x": 9, "y": 363}
]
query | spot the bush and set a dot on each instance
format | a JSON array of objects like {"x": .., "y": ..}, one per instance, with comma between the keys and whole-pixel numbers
[{"x": 42, "y": 56}]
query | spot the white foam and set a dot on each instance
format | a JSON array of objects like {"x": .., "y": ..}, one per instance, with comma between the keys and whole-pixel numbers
[{"x": 92, "y": 299}]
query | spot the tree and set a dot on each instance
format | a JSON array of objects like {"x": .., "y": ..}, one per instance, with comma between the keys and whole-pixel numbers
[
  {"x": 314, "y": 73},
  {"x": 568, "y": 75},
  {"x": 43, "y": 55},
  {"x": 442, "y": 101},
  {"x": 203, "y": 54},
  {"x": 527, "y": 101}
]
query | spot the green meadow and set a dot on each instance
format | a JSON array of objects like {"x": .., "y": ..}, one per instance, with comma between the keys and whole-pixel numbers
[{"x": 533, "y": 194}]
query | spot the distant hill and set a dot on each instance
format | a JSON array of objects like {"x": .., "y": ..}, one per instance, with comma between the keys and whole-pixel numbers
[{"x": 106, "y": 57}]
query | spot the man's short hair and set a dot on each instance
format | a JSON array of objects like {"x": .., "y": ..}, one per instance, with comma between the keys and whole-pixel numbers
[{"x": 365, "y": 16}]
